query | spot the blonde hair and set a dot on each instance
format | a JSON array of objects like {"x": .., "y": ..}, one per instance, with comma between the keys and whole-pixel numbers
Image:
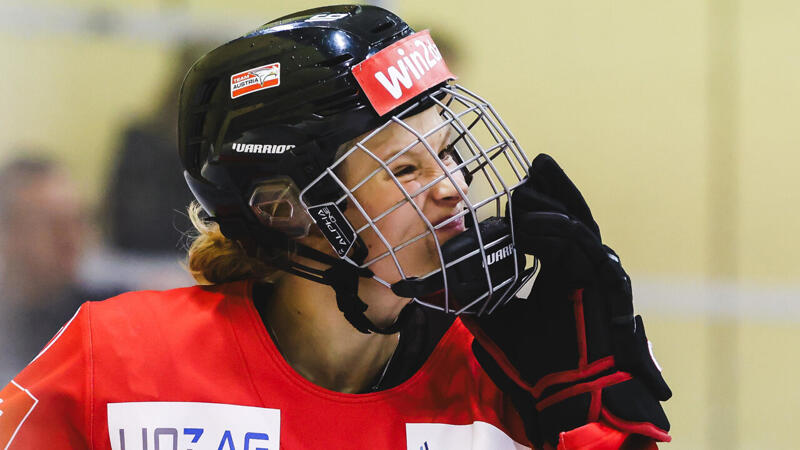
[{"x": 213, "y": 259}]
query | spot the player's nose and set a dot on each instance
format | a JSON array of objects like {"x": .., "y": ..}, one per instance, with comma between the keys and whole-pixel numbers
[{"x": 450, "y": 188}]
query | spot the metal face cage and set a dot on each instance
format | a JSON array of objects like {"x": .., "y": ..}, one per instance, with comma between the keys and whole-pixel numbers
[{"x": 468, "y": 153}]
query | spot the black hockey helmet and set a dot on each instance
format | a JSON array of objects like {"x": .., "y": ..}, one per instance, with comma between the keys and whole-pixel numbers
[
  {"x": 278, "y": 101},
  {"x": 262, "y": 124}
]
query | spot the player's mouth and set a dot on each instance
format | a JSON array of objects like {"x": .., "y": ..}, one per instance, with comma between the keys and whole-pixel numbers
[{"x": 449, "y": 226}]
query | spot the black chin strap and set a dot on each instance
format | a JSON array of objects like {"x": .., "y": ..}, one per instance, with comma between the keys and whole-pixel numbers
[
  {"x": 344, "y": 280},
  {"x": 342, "y": 276}
]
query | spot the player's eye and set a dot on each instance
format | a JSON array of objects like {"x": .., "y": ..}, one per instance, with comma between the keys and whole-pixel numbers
[{"x": 403, "y": 170}]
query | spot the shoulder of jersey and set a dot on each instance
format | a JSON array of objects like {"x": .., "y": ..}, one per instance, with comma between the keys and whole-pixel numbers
[{"x": 151, "y": 306}]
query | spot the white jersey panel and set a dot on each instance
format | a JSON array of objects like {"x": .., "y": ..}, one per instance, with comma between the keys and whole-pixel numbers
[
  {"x": 476, "y": 436},
  {"x": 195, "y": 425}
]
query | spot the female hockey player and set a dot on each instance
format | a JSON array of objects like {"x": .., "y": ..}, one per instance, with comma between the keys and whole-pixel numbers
[{"x": 362, "y": 243}]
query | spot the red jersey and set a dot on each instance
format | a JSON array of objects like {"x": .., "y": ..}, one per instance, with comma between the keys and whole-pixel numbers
[{"x": 195, "y": 369}]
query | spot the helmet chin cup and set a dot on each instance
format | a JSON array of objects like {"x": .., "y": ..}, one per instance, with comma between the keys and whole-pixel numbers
[{"x": 483, "y": 270}]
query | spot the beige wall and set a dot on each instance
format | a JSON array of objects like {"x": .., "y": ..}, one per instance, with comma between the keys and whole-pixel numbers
[
  {"x": 677, "y": 119},
  {"x": 72, "y": 94}
]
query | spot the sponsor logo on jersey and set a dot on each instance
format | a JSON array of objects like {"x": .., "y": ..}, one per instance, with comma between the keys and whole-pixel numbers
[
  {"x": 440, "y": 436},
  {"x": 190, "y": 425},
  {"x": 261, "y": 148},
  {"x": 16, "y": 404},
  {"x": 497, "y": 255},
  {"x": 401, "y": 71},
  {"x": 255, "y": 79}
]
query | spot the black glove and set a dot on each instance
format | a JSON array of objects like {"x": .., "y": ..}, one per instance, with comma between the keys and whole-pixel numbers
[{"x": 573, "y": 352}]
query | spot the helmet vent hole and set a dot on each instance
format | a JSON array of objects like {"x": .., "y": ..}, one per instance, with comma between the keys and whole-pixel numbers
[
  {"x": 341, "y": 59},
  {"x": 392, "y": 37},
  {"x": 383, "y": 26},
  {"x": 203, "y": 94},
  {"x": 194, "y": 151},
  {"x": 195, "y": 124},
  {"x": 338, "y": 103}
]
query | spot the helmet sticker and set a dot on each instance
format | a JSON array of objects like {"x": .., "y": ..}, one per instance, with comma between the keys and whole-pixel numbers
[
  {"x": 334, "y": 226},
  {"x": 401, "y": 71},
  {"x": 327, "y": 17},
  {"x": 255, "y": 79}
]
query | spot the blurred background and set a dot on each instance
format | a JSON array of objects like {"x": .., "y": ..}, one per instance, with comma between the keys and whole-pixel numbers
[{"x": 678, "y": 120}]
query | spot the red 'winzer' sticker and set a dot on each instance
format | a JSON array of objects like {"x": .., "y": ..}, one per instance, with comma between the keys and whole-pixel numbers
[{"x": 401, "y": 71}]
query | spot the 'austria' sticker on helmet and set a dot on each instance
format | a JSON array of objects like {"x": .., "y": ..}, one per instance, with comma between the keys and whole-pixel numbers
[
  {"x": 255, "y": 79},
  {"x": 401, "y": 71}
]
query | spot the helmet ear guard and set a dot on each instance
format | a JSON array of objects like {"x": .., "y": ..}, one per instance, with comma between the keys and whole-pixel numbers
[{"x": 276, "y": 204}]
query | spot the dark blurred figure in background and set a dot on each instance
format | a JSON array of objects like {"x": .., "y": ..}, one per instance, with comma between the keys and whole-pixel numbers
[
  {"x": 43, "y": 226},
  {"x": 147, "y": 195}
]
